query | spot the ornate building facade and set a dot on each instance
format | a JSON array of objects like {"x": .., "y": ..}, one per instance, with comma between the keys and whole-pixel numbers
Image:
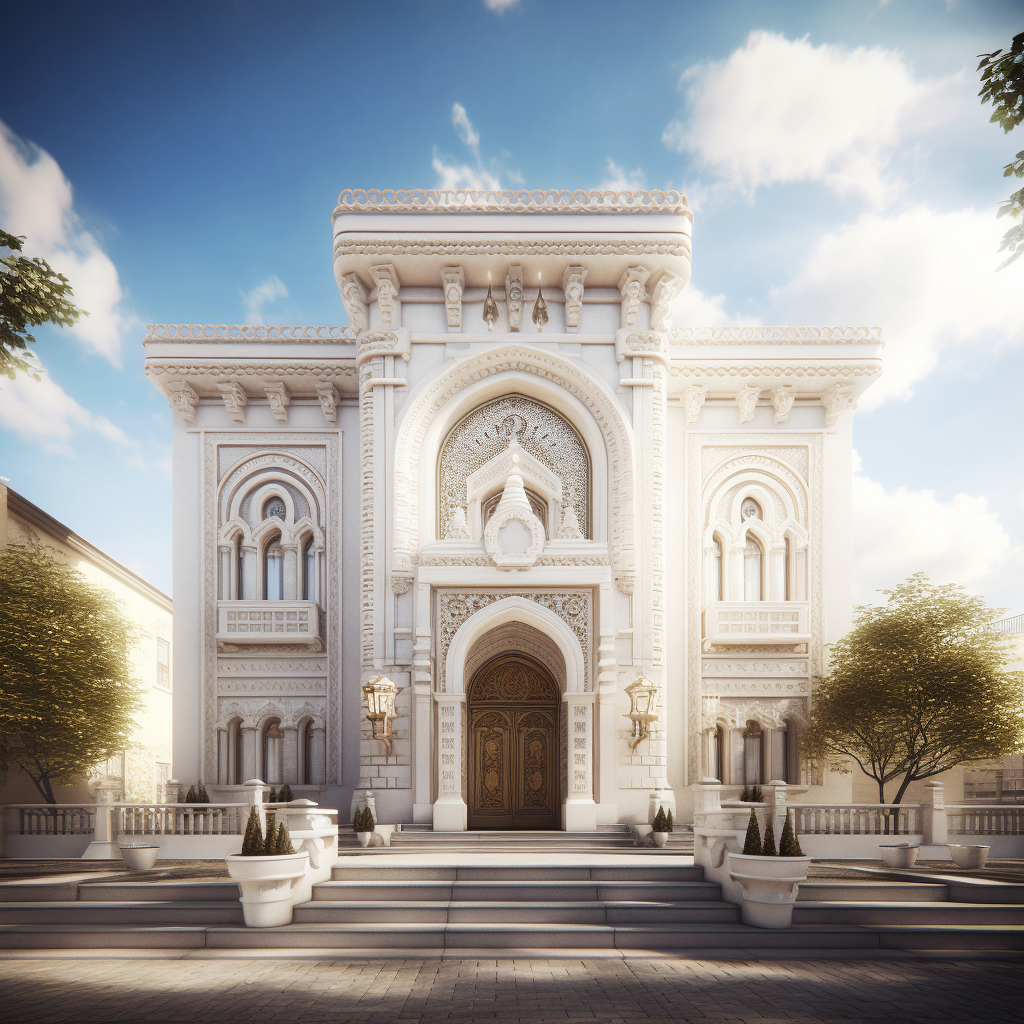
[{"x": 597, "y": 554}]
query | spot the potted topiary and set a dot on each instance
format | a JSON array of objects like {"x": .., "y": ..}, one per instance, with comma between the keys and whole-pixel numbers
[
  {"x": 662, "y": 827},
  {"x": 269, "y": 873},
  {"x": 284, "y": 796},
  {"x": 362, "y": 825},
  {"x": 769, "y": 877},
  {"x": 968, "y": 856},
  {"x": 898, "y": 855},
  {"x": 139, "y": 857}
]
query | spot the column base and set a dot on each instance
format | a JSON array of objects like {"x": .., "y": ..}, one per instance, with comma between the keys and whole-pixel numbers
[
  {"x": 422, "y": 814},
  {"x": 451, "y": 816},
  {"x": 579, "y": 816}
]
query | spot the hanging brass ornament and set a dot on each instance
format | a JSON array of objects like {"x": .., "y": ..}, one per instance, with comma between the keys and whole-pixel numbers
[
  {"x": 540, "y": 308},
  {"x": 490, "y": 308}
]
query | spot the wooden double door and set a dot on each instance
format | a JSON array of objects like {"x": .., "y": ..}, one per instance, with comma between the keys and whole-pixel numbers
[{"x": 513, "y": 746}]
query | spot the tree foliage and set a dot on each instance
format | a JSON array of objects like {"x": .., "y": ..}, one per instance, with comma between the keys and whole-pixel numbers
[
  {"x": 917, "y": 687},
  {"x": 752, "y": 840},
  {"x": 31, "y": 294},
  {"x": 66, "y": 692},
  {"x": 1002, "y": 85},
  {"x": 252, "y": 841}
]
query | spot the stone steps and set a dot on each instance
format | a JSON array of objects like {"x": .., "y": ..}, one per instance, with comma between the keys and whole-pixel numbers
[
  {"x": 536, "y": 891},
  {"x": 912, "y": 913},
  {"x": 124, "y": 912},
  {"x": 878, "y": 892}
]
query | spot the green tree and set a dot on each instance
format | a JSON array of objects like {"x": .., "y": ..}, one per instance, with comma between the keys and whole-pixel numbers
[
  {"x": 1002, "y": 85},
  {"x": 31, "y": 294},
  {"x": 918, "y": 686},
  {"x": 66, "y": 692}
]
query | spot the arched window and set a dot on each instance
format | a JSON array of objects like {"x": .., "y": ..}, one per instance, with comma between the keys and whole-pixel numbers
[
  {"x": 307, "y": 753},
  {"x": 272, "y": 752},
  {"x": 274, "y": 508},
  {"x": 273, "y": 570},
  {"x": 236, "y": 751},
  {"x": 308, "y": 571},
  {"x": 752, "y": 560},
  {"x": 750, "y": 509}
]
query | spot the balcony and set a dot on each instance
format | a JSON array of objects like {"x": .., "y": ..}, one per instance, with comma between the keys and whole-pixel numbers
[
  {"x": 757, "y": 622},
  {"x": 268, "y": 622}
]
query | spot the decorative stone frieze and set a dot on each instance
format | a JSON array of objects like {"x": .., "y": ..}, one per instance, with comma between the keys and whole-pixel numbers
[
  {"x": 782, "y": 402},
  {"x": 572, "y": 285},
  {"x": 836, "y": 401},
  {"x": 514, "y": 297},
  {"x": 234, "y": 400},
  {"x": 277, "y": 396},
  {"x": 453, "y": 281},
  {"x": 631, "y": 287},
  {"x": 353, "y": 295},
  {"x": 183, "y": 400},
  {"x": 746, "y": 401},
  {"x": 385, "y": 277}
]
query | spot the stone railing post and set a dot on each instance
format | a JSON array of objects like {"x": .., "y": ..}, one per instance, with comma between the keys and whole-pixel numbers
[
  {"x": 103, "y": 845},
  {"x": 254, "y": 796},
  {"x": 934, "y": 826},
  {"x": 171, "y": 788},
  {"x": 708, "y": 799}
]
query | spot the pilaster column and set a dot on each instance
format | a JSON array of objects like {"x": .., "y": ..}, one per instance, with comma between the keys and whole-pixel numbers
[
  {"x": 422, "y": 726},
  {"x": 223, "y": 762},
  {"x": 318, "y": 757},
  {"x": 602, "y": 726},
  {"x": 579, "y": 813},
  {"x": 290, "y": 754},
  {"x": 249, "y": 736},
  {"x": 450, "y": 811},
  {"x": 290, "y": 590}
]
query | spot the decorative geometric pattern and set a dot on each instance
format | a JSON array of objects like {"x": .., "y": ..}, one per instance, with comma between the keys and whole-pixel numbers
[{"x": 513, "y": 682}]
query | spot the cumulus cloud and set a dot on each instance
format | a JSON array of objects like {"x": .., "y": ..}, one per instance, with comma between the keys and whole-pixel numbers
[
  {"x": 500, "y": 6},
  {"x": 897, "y": 533},
  {"x": 43, "y": 412},
  {"x": 36, "y": 201},
  {"x": 779, "y": 110},
  {"x": 453, "y": 174},
  {"x": 695, "y": 309},
  {"x": 618, "y": 179},
  {"x": 267, "y": 291},
  {"x": 926, "y": 277}
]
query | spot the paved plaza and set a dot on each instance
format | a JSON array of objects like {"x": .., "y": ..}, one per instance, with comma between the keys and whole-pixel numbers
[{"x": 609, "y": 991}]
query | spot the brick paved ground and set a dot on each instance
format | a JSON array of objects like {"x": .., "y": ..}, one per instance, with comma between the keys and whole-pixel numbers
[{"x": 509, "y": 991}]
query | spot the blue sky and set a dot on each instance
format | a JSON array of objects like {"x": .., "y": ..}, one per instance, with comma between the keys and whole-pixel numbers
[{"x": 179, "y": 162}]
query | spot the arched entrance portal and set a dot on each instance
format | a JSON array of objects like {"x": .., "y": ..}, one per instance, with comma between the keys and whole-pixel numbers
[{"x": 513, "y": 709}]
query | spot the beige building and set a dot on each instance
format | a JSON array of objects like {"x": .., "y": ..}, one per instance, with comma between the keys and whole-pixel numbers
[{"x": 139, "y": 772}]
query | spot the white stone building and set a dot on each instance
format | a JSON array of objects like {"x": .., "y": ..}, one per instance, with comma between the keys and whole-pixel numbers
[{"x": 512, "y": 508}]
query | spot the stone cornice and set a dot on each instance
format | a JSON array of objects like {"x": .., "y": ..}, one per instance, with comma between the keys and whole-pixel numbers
[
  {"x": 776, "y": 335},
  {"x": 346, "y": 245},
  {"x": 509, "y": 201},
  {"x": 225, "y": 332}
]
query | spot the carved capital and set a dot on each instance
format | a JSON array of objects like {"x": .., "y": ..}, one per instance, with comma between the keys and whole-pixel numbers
[
  {"x": 782, "y": 402},
  {"x": 277, "y": 396},
  {"x": 746, "y": 401},
  {"x": 836, "y": 401},
  {"x": 633, "y": 291},
  {"x": 383, "y": 343},
  {"x": 234, "y": 399},
  {"x": 626, "y": 583},
  {"x": 514, "y": 297},
  {"x": 183, "y": 399},
  {"x": 453, "y": 281},
  {"x": 328, "y": 395},
  {"x": 664, "y": 291},
  {"x": 693, "y": 402},
  {"x": 648, "y": 344},
  {"x": 353, "y": 295},
  {"x": 385, "y": 278},
  {"x": 401, "y": 582},
  {"x": 572, "y": 285}
]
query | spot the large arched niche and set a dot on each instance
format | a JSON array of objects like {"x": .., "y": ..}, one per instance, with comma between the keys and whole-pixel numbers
[{"x": 565, "y": 387}]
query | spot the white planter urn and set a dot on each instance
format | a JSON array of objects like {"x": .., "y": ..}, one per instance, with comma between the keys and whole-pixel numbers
[
  {"x": 969, "y": 856},
  {"x": 899, "y": 855},
  {"x": 660, "y": 838},
  {"x": 269, "y": 886},
  {"x": 364, "y": 838},
  {"x": 769, "y": 887},
  {"x": 139, "y": 858}
]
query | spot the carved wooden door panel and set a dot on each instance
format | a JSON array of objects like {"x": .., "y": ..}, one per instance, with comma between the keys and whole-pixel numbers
[
  {"x": 535, "y": 792},
  {"x": 490, "y": 777}
]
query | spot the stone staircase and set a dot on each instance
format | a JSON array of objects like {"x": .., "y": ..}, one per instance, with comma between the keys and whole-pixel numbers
[{"x": 469, "y": 904}]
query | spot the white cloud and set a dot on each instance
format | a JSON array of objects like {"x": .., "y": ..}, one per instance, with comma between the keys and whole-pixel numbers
[
  {"x": 43, "y": 412},
  {"x": 695, "y": 309},
  {"x": 779, "y": 110},
  {"x": 897, "y": 533},
  {"x": 500, "y": 6},
  {"x": 927, "y": 278},
  {"x": 618, "y": 179},
  {"x": 469, "y": 135},
  {"x": 36, "y": 201},
  {"x": 456, "y": 175},
  {"x": 267, "y": 291}
]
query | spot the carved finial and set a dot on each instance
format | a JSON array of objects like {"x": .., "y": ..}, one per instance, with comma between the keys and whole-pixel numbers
[
  {"x": 540, "y": 307},
  {"x": 457, "y": 528},
  {"x": 490, "y": 306}
]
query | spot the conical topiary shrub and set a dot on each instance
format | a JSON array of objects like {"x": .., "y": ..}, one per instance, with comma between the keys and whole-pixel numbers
[
  {"x": 671, "y": 820},
  {"x": 284, "y": 842},
  {"x": 768, "y": 843},
  {"x": 285, "y": 795},
  {"x": 252, "y": 844},
  {"x": 757, "y": 795},
  {"x": 661, "y": 821},
  {"x": 272, "y": 799},
  {"x": 745, "y": 795},
  {"x": 270, "y": 843},
  {"x": 789, "y": 845},
  {"x": 363, "y": 820},
  {"x": 202, "y": 797},
  {"x": 191, "y": 797},
  {"x": 752, "y": 840}
]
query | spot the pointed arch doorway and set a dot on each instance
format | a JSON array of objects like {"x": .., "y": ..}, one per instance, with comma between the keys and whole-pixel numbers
[{"x": 513, "y": 717}]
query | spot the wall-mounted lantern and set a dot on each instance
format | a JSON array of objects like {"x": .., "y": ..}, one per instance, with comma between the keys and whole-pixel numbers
[
  {"x": 379, "y": 693},
  {"x": 643, "y": 702}
]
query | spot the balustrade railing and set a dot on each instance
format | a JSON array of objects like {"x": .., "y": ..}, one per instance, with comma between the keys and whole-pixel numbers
[
  {"x": 54, "y": 819},
  {"x": 180, "y": 819},
  {"x": 985, "y": 820},
  {"x": 857, "y": 819}
]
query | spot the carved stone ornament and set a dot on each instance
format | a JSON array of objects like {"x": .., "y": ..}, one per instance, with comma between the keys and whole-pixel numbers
[
  {"x": 397, "y": 342},
  {"x": 353, "y": 295},
  {"x": 328, "y": 395},
  {"x": 572, "y": 284},
  {"x": 385, "y": 277},
  {"x": 234, "y": 400},
  {"x": 514, "y": 297},
  {"x": 453, "y": 281},
  {"x": 836, "y": 401},
  {"x": 277, "y": 396},
  {"x": 514, "y": 537},
  {"x": 569, "y": 529},
  {"x": 693, "y": 402},
  {"x": 746, "y": 401},
  {"x": 626, "y": 584},
  {"x": 664, "y": 291},
  {"x": 457, "y": 527},
  {"x": 183, "y": 399},
  {"x": 631, "y": 287},
  {"x": 401, "y": 582},
  {"x": 782, "y": 402},
  {"x": 648, "y": 344}
]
